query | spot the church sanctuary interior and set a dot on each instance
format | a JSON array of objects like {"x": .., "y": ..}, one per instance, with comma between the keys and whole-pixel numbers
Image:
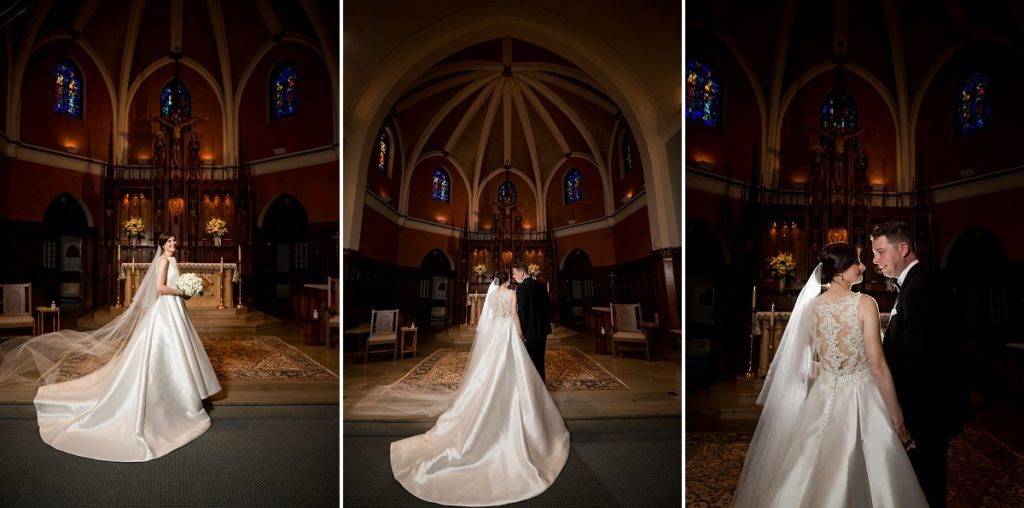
[
  {"x": 216, "y": 122},
  {"x": 482, "y": 133},
  {"x": 811, "y": 122}
]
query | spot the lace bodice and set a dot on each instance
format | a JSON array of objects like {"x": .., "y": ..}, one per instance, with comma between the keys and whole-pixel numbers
[
  {"x": 503, "y": 305},
  {"x": 839, "y": 341}
]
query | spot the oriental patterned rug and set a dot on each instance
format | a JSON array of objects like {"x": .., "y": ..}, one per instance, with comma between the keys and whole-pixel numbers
[
  {"x": 566, "y": 368},
  {"x": 983, "y": 472},
  {"x": 251, "y": 358}
]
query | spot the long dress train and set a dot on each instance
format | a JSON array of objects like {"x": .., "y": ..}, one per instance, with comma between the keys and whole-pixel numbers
[
  {"x": 144, "y": 403},
  {"x": 502, "y": 439}
]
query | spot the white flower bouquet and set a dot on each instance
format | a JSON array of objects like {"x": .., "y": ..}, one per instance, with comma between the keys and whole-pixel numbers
[
  {"x": 533, "y": 270},
  {"x": 190, "y": 284},
  {"x": 133, "y": 227},
  {"x": 216, "y": 227}
]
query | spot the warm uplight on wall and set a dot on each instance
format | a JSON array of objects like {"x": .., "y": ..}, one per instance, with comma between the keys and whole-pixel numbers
[
  {"x": 705, "y": 165},
  {"x": 442, "y": 219},
  {"x": 627, "y": 197},
  {"x": 384, "y": 197},
  {"x": 71, "y": 148}
]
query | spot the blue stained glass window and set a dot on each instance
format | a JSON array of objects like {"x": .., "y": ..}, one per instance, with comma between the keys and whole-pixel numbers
[
  {"x": 974, "y": 104},
  {"x": 703, "y": 93},
  {"x": 573, "y": 185},
  {"x": 507, "y": 193},
  {"x": 175, "y": 101},
  {"x": 442, "y": 185},
  {"x": 67, "y": 94},
  {"x": 627, "y": 153},
  {"x": 838, "y": 111},
  {"x": 382, "y": 152},
  {"x": 283, "y": 91}
]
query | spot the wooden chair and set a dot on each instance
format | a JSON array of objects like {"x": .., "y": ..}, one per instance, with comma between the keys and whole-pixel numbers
[
  {"x": 17, "y": 306},
  {"x": 333, "y": 311},
  {"x": 383, "y": 332},
  {"x": 626, "y": 327}
]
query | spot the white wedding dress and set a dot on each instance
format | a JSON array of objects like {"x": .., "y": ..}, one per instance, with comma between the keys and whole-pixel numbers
[
  {"x": 502, "y": 438},
  {"x": 845, "y": 451},
  {"x": 142, "y": 404}
]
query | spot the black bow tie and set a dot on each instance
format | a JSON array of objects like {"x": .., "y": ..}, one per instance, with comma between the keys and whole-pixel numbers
[{"x": 896, "y": 284}]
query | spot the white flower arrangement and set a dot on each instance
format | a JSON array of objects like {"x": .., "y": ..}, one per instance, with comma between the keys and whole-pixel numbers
[
  {"x": 783, "y": 265},
  {"x": 533, "y": 270},
  {"x": 480, "y": 270},
  {"x": 190, "y": 284},
  {"x": 134, "y": 227},
  {"x": 217, "y": 227}
]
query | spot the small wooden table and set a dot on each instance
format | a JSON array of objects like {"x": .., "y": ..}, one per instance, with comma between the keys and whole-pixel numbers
[
  {"x": 41, "y": 313},
  {"x": 402, "y": 347}
]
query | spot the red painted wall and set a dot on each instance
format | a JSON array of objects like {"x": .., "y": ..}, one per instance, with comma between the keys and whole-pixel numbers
[
  {"x": 313, "y": 123},
  {"x": 591, "y": 204},
  {"x": 423, "y": 206},
  {"x": 378, "y": 237},
  {"x": 632, "y": 236},
  {"x": 33, "y": 186},
  {"x": 952, "y": 218},
  {"x": 413, "y": 246},
  {"x": 594, "y": 243},
  {"x": 316, "y": 188},
  {"x": 42, "y": 126}
]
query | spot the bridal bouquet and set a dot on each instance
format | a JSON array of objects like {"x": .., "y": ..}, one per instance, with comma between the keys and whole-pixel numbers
[
  {"x": 190, "y": 284},
  {"x": 480, "y": 270},
  {"x": 783, "y": 265},
  {"x": 134, "y": 227},
  {"x": 533, "y": 270},
  {"x": 216, "y": 227}
]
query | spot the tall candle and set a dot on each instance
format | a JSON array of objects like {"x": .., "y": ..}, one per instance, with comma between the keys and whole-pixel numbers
[
  {"x": 771, "y": 318},
  {"x": 222, "y": 264},
  {"x": 118, "y": 254},
  {"x": 133, "y": 264},
  {"x": 239, "y": 254},
  {"x": 753, "y": 298}
]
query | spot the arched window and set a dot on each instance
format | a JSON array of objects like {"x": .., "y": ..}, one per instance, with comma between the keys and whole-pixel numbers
[
  {"x": 838, "y": 111},
  {"x": 67, "y": 94},
  {"x": 974, "y": 104},
  {"x": 383, "y": 151},
  {"x": 175, "y": 101},
  {"x": 573, "y": 185},
  {"x": 283, "y": 91},
  {"x": 627, "y": 153},
  {"x": 442, "y": 185},
  {"x": 507, "y": 193},
  {"x": 703, "y": 93}
]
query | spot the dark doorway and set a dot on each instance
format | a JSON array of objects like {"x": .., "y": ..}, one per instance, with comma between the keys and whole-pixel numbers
[
  {"x": 67, "y": 260},
  {"x": 577, "y": 288},
  {"x": 282, "y": 256},
  {"x": 435, "y": 292}
]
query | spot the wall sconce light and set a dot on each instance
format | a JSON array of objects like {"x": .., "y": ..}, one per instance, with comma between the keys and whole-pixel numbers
[
  {"x": 207, "y": 162},
  {"x": 705, "y": 165},
  {"x": 71, "y": 148}
]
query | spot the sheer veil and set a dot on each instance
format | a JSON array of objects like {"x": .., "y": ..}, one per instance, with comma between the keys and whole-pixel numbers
[
  {"x": 785, "y": 388},
  {"x": 397, "y": 400},
  {"x": 36, "y": 360}
]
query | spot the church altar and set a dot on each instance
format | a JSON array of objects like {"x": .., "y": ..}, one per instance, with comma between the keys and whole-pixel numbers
[
  {"x": 210, "y": 273},
  {"x": 474, "y": 305}
]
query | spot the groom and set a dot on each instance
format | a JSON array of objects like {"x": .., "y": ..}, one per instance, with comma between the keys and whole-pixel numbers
[
  {"x": 918, "y": 351},
  {"x": 533, "y": 306}
]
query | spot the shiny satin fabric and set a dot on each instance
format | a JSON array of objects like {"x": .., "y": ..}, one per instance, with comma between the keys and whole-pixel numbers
[
  {"x": 502, "y": 439},
  {"x": 849, "y": 456},
  {"x": 144, "y": 403}
]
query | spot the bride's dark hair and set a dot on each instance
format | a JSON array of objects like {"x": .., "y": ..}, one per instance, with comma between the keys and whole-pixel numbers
[
  {"x": 501, "y": 276},
  {"x": 836, "y": 258},
  {"x": 162, "y": 239}
]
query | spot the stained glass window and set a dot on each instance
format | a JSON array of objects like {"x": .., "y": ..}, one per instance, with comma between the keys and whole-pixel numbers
[
  {"x": 382, "y": 152},
  {"x": 627, "y": 153},
  {"x": 507, "y": 193},
  {"x": 974, "y": 104},
  {"x": 175, "y": 101},
  {"x": 573, "y": 185},
  {"x": 442, "y": 185},
  {"x": 838, "y": 111},
  {"x": 703, "y": 93},
  {"x": 67, "y": 94},
  {"x": 282, "y": 91}
]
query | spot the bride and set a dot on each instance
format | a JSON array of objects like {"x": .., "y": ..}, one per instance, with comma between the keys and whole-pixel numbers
[
  {"x": 145, "y": 400},
  {"x": 502, "y": 439},
  {"x": 839, "y": 439}
]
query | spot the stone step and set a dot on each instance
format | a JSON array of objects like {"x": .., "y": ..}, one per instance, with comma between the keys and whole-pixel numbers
[{"x": 230, "y": 320}]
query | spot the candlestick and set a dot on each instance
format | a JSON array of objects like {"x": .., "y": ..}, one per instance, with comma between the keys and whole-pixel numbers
[
  {"x": 239, "y": 254},
  {"x": 133, "y": 264},
  {"x": 222, "y": 264},
  {"x": 753, "y": 298},
  {"x": 118, "y": 254},
  {"x": 771, "y": 317}
]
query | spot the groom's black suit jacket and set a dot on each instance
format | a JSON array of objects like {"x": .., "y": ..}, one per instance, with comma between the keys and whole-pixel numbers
[
  {"x": 533, "y": 306},
  {"x": 921, "y": 354}
]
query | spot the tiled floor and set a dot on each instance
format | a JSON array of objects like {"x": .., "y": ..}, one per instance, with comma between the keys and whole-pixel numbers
[{"x": 655, "y": 386}]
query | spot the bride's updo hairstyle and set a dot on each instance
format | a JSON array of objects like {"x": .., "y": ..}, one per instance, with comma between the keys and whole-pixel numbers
[
  {"x": 836, "y": 258},
  {"x": 162, "y": 239},
  {"x": 500, "y": 277}
]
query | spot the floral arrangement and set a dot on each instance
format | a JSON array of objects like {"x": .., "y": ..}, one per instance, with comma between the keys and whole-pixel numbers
[
  {"x": 216, "y": 227},
  {"x": 480, "y": 270},
  {"x": 134, "y": 227},
  {"x": 533, "y": 270},
  {"x": 190, "y": 284},
  {"x": 782, "y": 265}
]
